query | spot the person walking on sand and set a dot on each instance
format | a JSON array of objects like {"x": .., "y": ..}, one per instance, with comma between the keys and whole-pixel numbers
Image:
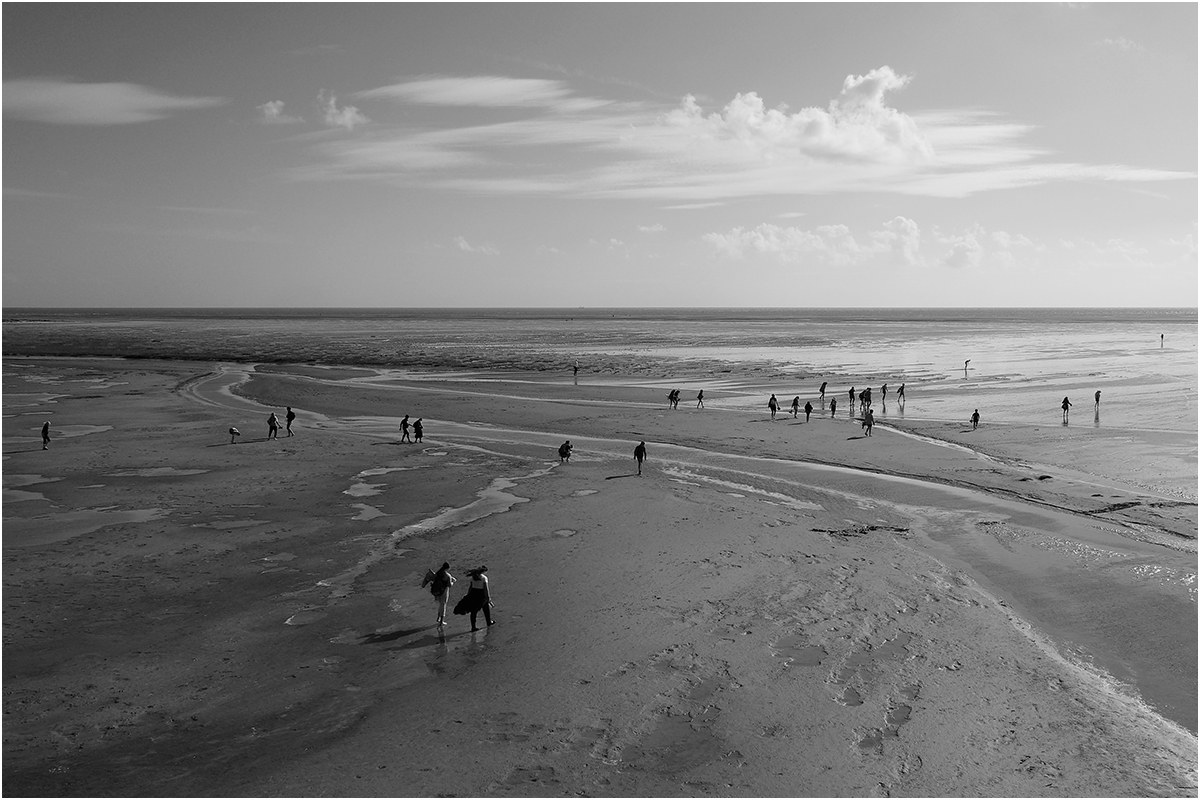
[
  {"x": 290, "y": 417},
  {"x": 418, "y": 431},
  {"x": 478, "y": 598},
  {"x": 46, "y": 435},
  {"x": 564, "y": 452},
  {"x": 773, "y": 404},
  {"x": 900, "y": 394},
  {"x": 1097, "y": 398},
  {"x": 272, "y": 426},
  {"x": 968, "y": 361},
  {"x": 404, "y": 437},
  {"x": 233, "y": 434},
  {"x": 575, "y": 370},
  {"x": 975, "y": 420},
  {"x": 795, "y": 406},
  {"x": 440, "y": 589},
  {"x": 807, "y": 411},
  {"x": 700, "y": 399},
  {"x": 1066, "y": 407},
  {"x": 832, "y": 407},
  {"x": 823, "y": 385},
  {"x": 639, "y": 455},
  {"x": 852, "y": 399},
  {"x": 868, "y": 422}
]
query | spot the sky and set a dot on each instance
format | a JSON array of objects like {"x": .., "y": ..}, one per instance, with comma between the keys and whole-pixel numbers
[{"x": 598, "y": 155}]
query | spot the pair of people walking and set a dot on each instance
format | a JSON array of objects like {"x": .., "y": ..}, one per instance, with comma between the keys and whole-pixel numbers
[
  {"x": 478, "y": 597},
  {"x": 418, "y": 430}
]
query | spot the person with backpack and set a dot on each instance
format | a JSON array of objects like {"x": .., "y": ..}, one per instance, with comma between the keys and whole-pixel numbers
[{"x": 439, "y": 586}]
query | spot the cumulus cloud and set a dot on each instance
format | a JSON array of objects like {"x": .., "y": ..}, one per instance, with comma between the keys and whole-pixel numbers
[
  {"x": 966, "y": 250},
  {"x": 899, "y": 241},
  {"x": 271, "y": 113},
  {"x": 68, "y": 103},
  {"x": 1122, "y": 44},
  {"x": 655, "y": 228},
  {"x": 347, "y": 117},
  {"x": 486, "y": 249}
]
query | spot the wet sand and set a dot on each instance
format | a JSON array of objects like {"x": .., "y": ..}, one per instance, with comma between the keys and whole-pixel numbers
[{"x": 781, "y": 608}]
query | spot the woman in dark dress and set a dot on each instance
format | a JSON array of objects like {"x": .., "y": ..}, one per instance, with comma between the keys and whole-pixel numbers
[{"x": 478, "y": 598}]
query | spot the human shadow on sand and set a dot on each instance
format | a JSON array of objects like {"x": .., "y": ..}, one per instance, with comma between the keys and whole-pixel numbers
[
  {"x": 242, "y": 441},
  {"x": 391, "y": 636},
  {"x": 614, "y": 477}
]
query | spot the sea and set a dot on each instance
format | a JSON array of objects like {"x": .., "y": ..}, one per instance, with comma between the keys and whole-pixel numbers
[{"x": 1014, "y": 365}]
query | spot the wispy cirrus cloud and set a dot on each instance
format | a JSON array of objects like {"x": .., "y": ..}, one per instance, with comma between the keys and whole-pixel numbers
[
  {"x": 569, "y": 145},
  {"x": 484, "y": 90},
  {"x": 69, "y": 103}
]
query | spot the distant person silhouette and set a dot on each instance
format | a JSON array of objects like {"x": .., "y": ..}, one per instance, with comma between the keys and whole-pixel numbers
[
  {"x": 700, "y": 399},
  {"x": 968, "y": 361},
  {"x": 773, "y": 404},
  {"x": 1097, "y": 397},
  {"x": 233, "y": 434},
  {"x": 1066, "y": 407},
  {"x": 807, "y": 411},
  {"x": 868, "y": 422},
  {"x": 290, "y": 417},
  {"x": 900, "y": 393},
  {"x": 45, "y": 435},
  {"x": 564, "y": 452},
  {"x": 272, "y": 426},
  {"x": 404, "y": 437},
  {"x": 418, "y": 430},
  {"x": 1162, "y": 340},
  {"x": 823, "y": 385},
  {"x": 795, "y": 406},
  {"x": 883, "y": 394},
  {"x": 639, "y": 455},
  {"x": 832, "y": 407},
  {"x": 975, "y": 420},
  {"x": 575, "y": 370},
  {"x": 852, "y": 399}
]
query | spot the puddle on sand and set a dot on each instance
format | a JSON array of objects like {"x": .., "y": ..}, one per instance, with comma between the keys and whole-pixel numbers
[
  {"x": 364, "y": 489},
  {"x": 229, "y": 525},
  {"x": 674, "y": 745},
  {"x": 68, "y": 431},
  {"x": 51, "y": 528},
  {"x": 565, "y": 532},
  {"x": 13, "y": 480},
  {"x": 794, "y": 651},
  {"x": 18, "y": 495},
  {"x": 154, "y": 472},
  {"x": 872, "y": 741},
  {"x": 366, "y": 512},
  {"x": 583, "y": 492},
  {"x": 859, "y": 663},
  {"x": 305, "y": 617}
]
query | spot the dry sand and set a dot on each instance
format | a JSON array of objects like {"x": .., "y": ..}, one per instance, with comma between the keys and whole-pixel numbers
[{"x": 183, "y": 616}]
